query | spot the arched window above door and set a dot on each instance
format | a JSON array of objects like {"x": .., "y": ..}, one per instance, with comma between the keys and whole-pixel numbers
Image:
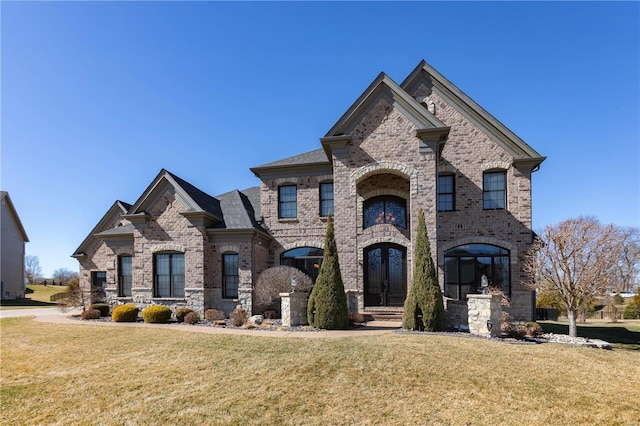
[{"x": 385, "y": 209}]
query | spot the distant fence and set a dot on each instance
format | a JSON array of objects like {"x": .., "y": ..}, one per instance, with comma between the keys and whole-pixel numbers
[
  {"x": 545, "y": 314},
  {"x": 58, "y": 296}
]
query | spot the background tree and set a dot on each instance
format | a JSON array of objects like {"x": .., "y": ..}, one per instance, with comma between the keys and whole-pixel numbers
[
  {"x": 574, "y": 259},
  {"x": 425, "y": 297},
  {"x": 626, "y": 270},
  {"x": 64, "y": 275},
  {"x": 32, "y": 269},
  {"x": 327, "y": 306},
  {"x": 274, "y": 281}
]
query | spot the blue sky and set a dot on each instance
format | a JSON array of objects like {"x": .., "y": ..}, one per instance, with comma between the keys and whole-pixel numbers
[{"x": 97, "y": 97}]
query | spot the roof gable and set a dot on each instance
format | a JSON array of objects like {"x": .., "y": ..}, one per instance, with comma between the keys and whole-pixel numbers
[
  {"x": 195, "y": 201},
  {"x": 116, "y": 210},
  {"x": 426, "y": 74},
  {"x": 6, "y": 200},
  {"x": 384, "y": 86}
]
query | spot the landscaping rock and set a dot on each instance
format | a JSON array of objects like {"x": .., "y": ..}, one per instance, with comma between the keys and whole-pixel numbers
[{"x": 256, "y": 319}]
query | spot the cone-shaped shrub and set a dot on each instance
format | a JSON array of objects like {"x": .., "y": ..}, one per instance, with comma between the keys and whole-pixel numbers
[
  {"x": 327, "y": 306},
  {"x": 425, "y": 297}
]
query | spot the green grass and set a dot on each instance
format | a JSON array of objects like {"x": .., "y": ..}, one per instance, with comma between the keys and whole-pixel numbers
[
  {"x": 624, "y": 334},
  {"x": 36, "y": 296},
  {"x": 87, "y": 374}
]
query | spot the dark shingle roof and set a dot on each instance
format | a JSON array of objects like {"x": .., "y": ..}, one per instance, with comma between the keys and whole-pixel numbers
[
  {"x": 312, "y": 157},
  {"x": 205, "y": 201},
  {"x": 238, "y": 210}
]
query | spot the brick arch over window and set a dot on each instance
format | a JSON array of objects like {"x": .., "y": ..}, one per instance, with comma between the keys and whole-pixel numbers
[
  {"x": 169, "y": 247},
  {"x": 304, "y": 243},
  {"x": 392, "y": 167},
  {"x": 513, "y": 249}
]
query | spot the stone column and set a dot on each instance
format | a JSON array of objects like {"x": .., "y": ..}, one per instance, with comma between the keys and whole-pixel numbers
[
  {"x": 484, "y": 310},
  {"x": 294, "y": 309}
]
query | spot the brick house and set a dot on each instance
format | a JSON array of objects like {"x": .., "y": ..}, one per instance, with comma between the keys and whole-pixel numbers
[{"x": 422, "y": 144}]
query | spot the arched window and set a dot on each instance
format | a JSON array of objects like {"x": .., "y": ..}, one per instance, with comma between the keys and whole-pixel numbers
[
  {"x": 125, "y": 275},
  {"x": 466, "y": 265},
  {"x": 385, "y": 209},
  {"x": 306, "y": 259},
  {"x": 168, "y": 274}
]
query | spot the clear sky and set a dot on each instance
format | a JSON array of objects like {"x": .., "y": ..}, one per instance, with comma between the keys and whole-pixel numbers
[{"x": 97, "y": 97}]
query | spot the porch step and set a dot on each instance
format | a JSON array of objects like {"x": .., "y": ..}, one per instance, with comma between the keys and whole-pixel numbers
[{"x": 382, "y": 314}]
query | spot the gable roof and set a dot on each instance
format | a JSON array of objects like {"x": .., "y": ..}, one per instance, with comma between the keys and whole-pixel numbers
[
  {"x": 312, "y": 162},
  {"x": 238, "y": 209},
  {"x": 119, "y": 208},
  {"x": 5, "y": 199},
  {"x": 425, "y": 73},
  {"x": 383, "y": 85},
  {"x": 193, "y": 199}
]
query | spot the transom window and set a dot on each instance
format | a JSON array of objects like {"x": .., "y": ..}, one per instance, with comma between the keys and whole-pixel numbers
[
  {"x": 385, "y": 209},
  {"x": 446, "y": 193},
  {"x": 287, "y": 202},
  {"x": 326, "y": 199},
  {"x": 125, "y": 275},
  {"x": 306, "y": 259},
  {"x": 468, "y": 267},
  {"x": 494, "y": 190},
  {"x": 230, "y": 276},
  {"x": 168, "y": 274}
]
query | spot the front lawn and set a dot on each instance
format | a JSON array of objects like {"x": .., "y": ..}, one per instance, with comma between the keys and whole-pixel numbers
[
  {"x": 37, "y": 296},
  {"x": 88, "y": 375}
]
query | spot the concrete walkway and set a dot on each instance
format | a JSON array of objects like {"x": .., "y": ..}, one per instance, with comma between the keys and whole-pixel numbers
[
  {"x": 55, "y": 316},
  {"x": 37, "y": 312}
]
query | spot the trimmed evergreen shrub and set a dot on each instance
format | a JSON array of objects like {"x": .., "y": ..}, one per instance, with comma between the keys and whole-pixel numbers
[
  {"x": 239, "y": 317},
  {"x": 182, "y": 312},
  {"x": 90, "y": 314},
  {"x": 327, "y": 306},
  {"x": 192, "y": 318},
  {"x": 425, "y": 297},
  {"x": 631, "y": 311},
  {"x": 125, "y": 313},
  {"x": 102, "y": 307},
  {"x": 212, "y": 315},
  {"x": 156, "y": 314}
]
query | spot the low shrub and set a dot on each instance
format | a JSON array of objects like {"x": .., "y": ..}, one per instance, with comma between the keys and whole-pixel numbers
[
  {"x": 514, "y": 331},
  {"x": 357, "y": 319},
  {"x": 212, "y": 315},
  {"x": 533, "y": 329},
  {"x": 90, "y": 314},
  {"x": 270, "y": 314},
  {"x": 239, "y": 317},
  {"x": 125, "y": 313},
  {"x": 156, "y": 314},
  {"x": 102, "y": 307},
  {"x": 192, "y": 318},
  {"x": 631, "y": 311},
  {"x": 181, "y": 313}
]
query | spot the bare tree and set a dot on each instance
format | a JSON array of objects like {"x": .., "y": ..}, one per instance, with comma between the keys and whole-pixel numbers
[
  {"x": 32, "y": 269},
  {"x": 64, "y": 275},
  {"x": 276, "y": 280},
  {"x": 575, "y": 258},
  {"x": 626, "y": 271}
]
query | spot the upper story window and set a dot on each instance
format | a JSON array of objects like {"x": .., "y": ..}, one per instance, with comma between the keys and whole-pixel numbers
[
  {"x": 230, "y": 276},
  {"x": 125, "y": 275},
  {"x": 385, "y": 209},
  {"x": 494, "y": 190},
  {"x": 326, "y": 199},
  {"x": 287, "y": 202},
  {"x": 168, "y": 273},
  {"x": 446, "y": 193}
]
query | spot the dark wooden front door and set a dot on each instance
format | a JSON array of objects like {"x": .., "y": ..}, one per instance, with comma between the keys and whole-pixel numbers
[{"x": 385, "y": 277}]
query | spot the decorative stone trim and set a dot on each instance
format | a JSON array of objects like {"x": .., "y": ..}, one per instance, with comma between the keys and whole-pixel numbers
[
  {"x": 496, "y": 165},
  {"x": 392, "y": 167},
  {"x": 168, "y": 247}
]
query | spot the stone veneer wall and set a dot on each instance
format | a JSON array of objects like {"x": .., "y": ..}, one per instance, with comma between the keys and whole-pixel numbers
[
  {"x": 482, "y": 309},
  {"x": 294, "y": 309}
]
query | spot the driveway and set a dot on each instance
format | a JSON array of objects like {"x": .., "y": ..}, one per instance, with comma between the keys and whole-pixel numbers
[{"x": 29, "y": 312}]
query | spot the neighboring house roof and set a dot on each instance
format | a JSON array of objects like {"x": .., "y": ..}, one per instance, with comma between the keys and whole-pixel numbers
[
  {"x": 425, "y": 73},
  {"x": 117, "y": 209},
  {"x": 6, "y": 200}
]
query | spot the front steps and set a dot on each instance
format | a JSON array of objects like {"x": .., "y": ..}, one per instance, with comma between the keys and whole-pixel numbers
[{"x": 382, "y": 313}]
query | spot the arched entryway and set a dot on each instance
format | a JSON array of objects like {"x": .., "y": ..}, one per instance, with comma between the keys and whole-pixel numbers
[{"x": 385, "y": 275}]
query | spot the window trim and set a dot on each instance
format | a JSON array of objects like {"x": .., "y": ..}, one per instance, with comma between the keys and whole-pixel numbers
[
  {"x": 452, "y": 193},
  {"x": 226, "y": 276},
  {"x": 281, "y": 203},
  {"x": 332, "y": 199},
  {"x": 472, "y": 255},
  {"x": 486, "y": 192},
  {"x": 174, "y": 291},
  {"x": 121, "y": 277}
]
